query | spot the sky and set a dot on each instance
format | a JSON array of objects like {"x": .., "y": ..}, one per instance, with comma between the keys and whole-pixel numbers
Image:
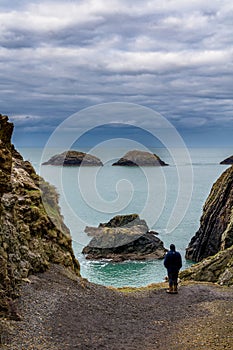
[{"x": 173, "y": 56}]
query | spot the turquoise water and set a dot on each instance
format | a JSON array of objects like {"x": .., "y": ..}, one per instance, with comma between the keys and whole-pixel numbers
[{"x": 89, "y": 196}]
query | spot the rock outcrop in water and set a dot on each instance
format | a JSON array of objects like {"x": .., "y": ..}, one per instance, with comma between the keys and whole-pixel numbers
[
  {"x": 74, "y": 158},
  {"x": 140, "y": 158},
  {"x": 227, "y": 161},
  {"x": 212, "y": 246},
  {"x": 32, "y": 231},
  {"x": 125, "y": 237}
]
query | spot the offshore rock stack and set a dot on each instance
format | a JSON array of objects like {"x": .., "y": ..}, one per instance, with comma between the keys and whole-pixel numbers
[
  {"x": 140, "y": 158},
  {"x": 124, "y": 237}
]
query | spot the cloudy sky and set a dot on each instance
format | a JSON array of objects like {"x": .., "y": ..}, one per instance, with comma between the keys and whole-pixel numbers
[{"x": 174, "y": 56}]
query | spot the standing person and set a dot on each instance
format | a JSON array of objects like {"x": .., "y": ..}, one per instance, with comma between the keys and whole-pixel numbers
[{"x": 173, "y": 263}]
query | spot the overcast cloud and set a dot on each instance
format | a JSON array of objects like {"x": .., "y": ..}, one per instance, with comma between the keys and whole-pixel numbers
[{"x": 176, "y": 57}]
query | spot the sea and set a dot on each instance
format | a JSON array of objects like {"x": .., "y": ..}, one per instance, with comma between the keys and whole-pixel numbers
[{"x": 169, "y": 198}]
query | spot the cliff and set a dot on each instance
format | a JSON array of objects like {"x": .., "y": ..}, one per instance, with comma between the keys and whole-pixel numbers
[
  {"x": 212, "y": 246},
  {"x": 30, "y": 239},
  {"x": 216, "y": 224}
]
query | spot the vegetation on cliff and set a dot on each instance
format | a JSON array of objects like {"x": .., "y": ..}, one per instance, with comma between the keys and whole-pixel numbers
[
  {"x": 30, "y": 239},
  {"x": 217, "y": 268}
]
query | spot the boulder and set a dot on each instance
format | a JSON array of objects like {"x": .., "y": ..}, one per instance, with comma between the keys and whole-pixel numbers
[
  {"x": 216, "y": 224},
  {"x": 140, "y": 158},
  {"x": 125, "y": 237},
  {"x": 227, "y": 161},
  {"x": 74, "y": 158}
]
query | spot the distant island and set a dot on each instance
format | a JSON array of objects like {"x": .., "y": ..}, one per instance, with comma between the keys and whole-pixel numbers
[
  {"x": 124, "y": 237},
  {"x": 227, "y": 161},
  {"x": 74, "y": 158},
  {"x": 139, "y": 158}
]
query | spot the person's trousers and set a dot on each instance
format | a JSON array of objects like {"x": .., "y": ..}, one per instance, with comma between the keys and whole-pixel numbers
[{"x": 173, "y": 278}]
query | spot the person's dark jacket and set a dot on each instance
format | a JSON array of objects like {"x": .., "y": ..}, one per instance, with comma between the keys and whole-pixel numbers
[{"x": 173, "y": 261}]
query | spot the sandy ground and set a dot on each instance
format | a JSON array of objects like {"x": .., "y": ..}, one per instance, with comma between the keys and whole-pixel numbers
[{"x": 69, "y": 313}]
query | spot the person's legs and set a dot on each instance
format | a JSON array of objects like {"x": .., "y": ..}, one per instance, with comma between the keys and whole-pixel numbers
[
  {"x": 170, "y": 281},
  {"x": 172, "y": 278},
  {"x": 174, "y": 281}
]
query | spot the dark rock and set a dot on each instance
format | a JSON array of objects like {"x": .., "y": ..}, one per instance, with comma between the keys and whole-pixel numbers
[
  {"x": 125, "y": 220},
  {"x": 216, "y": 224},
  {"x": 212, "y": 246},
  {"x": 227, "y": 161},
  {"x": 217, "y": 269},
  {"x": 125, "y": 237},
  {"x": 6, "y": 130},
  {"x": 140, "y": 158},
  {"x": 74, "y": 158}
]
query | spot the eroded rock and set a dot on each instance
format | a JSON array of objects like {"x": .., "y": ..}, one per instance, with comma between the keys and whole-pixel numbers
[
  {"x": 216, "y": 224},
  {"x": 125, "y": 237},
  {"x": 212, "y": 246},
  {"x": 217, "y": 268},
  {"x": 140, "y": 158},
  {"x": 74, "y": 158},
  {"x": 32, "y": 231}
]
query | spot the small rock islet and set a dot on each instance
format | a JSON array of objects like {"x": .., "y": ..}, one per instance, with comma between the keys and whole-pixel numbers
[
  {"x": 140, "y": 158},
  {"x": 74, "y": 158},
  {"x": 125, "y": 237}
]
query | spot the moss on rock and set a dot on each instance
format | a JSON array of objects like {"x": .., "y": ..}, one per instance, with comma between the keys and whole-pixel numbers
[
  {"x": 32, "y": 231},
  {"x": 217, "y": 268}
]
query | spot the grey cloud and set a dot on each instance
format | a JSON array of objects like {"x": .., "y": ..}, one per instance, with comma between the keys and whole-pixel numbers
[{"x": 59, "y": 57}]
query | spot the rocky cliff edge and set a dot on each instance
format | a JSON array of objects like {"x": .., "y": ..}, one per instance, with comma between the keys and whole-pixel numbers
[
  {"x": 30, "y": 239},
  {"x": 216, "y": 224},
  {"x": 212, "y": 246}
]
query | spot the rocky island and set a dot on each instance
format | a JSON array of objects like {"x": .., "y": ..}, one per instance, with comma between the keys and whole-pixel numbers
[
  {"x": 124, "y": 237},
  {"x": 227, "y": 161},
  {"x": 140, "y": 158},
  {"x": 73, "y": 158}
]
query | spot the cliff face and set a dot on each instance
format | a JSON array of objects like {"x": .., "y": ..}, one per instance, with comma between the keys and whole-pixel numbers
[
  {"x": 29, "y": 239},
  {"x": 216, "y": 226},
  {"x": 212, "y": 245}
]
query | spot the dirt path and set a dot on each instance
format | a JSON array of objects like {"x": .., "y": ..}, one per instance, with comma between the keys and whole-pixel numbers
[{"x": 64, "y": 314}]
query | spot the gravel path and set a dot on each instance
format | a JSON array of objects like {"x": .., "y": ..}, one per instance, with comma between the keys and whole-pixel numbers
[{"x": 69, "y": 313}]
